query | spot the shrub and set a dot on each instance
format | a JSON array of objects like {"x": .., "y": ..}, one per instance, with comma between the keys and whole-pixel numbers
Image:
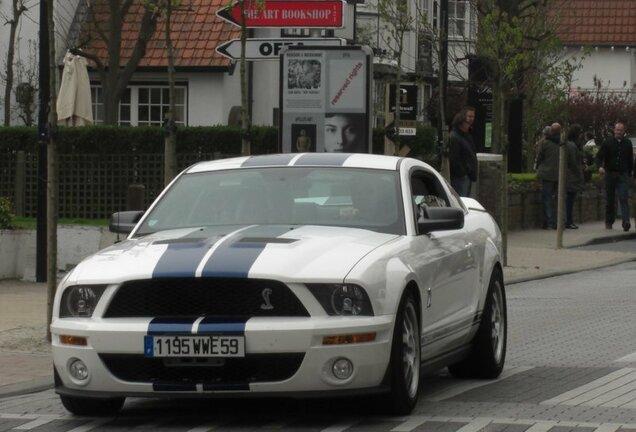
[{"x": 6, "y": 215}]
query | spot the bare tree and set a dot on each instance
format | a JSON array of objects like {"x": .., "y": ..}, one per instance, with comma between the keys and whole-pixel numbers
[
  {"x": 27, "y": 88},
  {"x": 113, "y": 75},
  {"x": 515, "y": 39},
  {"x": 166, "y": 8},
  {"x": 170, "y": 144},
  {"x": 246, "y": 121},
  {"x": 18, "y": 7},
  {"x": 397, "y": 23},
  {"x": 52, "y": 176}
]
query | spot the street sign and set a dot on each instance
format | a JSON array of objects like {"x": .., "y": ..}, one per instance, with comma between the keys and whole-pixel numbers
[
  {"x": 269, "y": 49},
  {"x": 406, "y": 131},
  {"x": 288, "y": 14}
]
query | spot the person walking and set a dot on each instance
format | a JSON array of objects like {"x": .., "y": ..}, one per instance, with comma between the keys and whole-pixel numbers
[
  {"x": 462, "y": 154},
  {"x": 574, "y": 175},
  {"x": 548, "y": 173},
  {"x": 616, "y": 165}
]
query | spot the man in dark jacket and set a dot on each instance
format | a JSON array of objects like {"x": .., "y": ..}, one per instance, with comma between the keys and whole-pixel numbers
[
  {"x": 547, "y": 164},
  {"x": 462, "y": 156},
  {"x": 616, "y": 164}
]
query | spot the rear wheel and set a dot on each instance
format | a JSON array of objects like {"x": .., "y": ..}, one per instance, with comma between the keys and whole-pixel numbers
[
  {"x": 405, "y": 357},
  {"x": 488, "y": 353},
  {"x": 92, "y": 407}
]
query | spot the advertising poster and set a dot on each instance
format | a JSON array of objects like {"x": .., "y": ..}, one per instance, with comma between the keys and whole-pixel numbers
[{"x": 325, "y": 99}]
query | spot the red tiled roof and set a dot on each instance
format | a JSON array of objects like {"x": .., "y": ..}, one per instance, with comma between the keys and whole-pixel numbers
[
  {"x": 195, "y": 30},
  {"x": 597, "y": 22}
]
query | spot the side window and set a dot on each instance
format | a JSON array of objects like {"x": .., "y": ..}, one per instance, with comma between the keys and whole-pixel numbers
[{"x": 427, "y": 190}]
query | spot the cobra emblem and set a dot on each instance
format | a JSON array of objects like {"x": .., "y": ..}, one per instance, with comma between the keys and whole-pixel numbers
[{"x": 267, "y": 304}]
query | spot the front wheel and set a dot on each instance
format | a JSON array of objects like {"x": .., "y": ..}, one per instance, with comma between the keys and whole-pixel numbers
[
  {"x": 92, "y": 407},
  {"x": 405, "y": 357},
  {"x": 488, "y": 353}
]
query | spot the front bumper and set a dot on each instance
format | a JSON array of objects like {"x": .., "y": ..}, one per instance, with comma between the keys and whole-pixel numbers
[{"x": 269, "y": 343}]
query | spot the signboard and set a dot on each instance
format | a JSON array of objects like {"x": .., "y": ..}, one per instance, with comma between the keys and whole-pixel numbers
[
  {"x": 325, "y": 101},
  {"x": 406, "y": 131},
  {"x": 288, "y": 14},
  {"x": 408, "y": 101},
  {"x": 269, "y": 49}
]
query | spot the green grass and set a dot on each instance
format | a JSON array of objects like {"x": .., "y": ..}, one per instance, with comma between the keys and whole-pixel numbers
[{"x": 31, "y": 223}]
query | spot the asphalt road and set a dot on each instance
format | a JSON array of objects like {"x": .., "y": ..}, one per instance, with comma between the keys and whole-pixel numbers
[{"x": 571, "y": 367}]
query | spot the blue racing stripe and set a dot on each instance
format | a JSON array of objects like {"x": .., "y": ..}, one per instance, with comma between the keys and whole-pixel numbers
[
  {"x": 181, "y": 259},
  {"x": 161, "y": 326},
  {"x": 330, "y": 159},
  {"x": 269, "y": 160},
  {"x": 211, "y": 326},
  {"x": 235, "y": 257}
]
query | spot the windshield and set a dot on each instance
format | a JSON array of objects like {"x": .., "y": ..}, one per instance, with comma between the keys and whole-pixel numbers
[{"x": 341, "y": 197}]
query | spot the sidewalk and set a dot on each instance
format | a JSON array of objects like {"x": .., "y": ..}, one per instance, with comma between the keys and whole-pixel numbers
[{"x": 25, "y": 357}]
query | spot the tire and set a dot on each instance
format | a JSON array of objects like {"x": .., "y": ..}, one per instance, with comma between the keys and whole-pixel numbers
[
  {"x": 92, "y": 407},
  {"x": 488, "y": 353},
  {"x": 405, "y": 358}
]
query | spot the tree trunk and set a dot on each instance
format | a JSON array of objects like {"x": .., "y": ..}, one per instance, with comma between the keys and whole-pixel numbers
[
  {"x": 52, "y": 176},
  {"x": 13, "y": 24},
  {"x": 442, "y": 80},
  {"x": 396, "y": 117},
  {"x": 170, "y": 142},
  {"x": 246, "y": 144},
  {"x": 562, "y": 190},
  {"x": 500, "y": 145}
]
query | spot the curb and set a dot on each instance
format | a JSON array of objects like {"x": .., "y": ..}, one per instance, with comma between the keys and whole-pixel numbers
[
  {"x": 26, "y": 387},
  {"x": 520, "y": 279}
]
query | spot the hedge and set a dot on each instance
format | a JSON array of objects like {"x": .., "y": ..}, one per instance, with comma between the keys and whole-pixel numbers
[{"x": 207, "y": 139}]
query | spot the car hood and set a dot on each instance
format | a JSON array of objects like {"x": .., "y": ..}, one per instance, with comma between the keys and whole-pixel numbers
[{"x": 284, "y": 252}]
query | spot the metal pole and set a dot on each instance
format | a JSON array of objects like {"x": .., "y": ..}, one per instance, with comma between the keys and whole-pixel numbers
[{"x": 43, "y": 139}]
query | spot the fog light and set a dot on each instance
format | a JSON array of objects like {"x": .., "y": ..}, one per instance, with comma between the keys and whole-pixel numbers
[
  {"x": 78, "y": 370},
  {"x": 342, "y": 368}
]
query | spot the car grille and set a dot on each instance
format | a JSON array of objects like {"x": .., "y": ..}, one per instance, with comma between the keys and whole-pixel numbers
[
  {"x": 252, "y": 368},
  {"x": 204, "y": 297}
]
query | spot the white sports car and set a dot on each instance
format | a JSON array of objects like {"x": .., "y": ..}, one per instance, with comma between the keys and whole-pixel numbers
[{"x": 285, "y": 275}]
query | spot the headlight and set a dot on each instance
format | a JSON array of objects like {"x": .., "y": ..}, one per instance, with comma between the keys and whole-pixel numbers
[
  {"x": 80, "y": 301},
  {"x": 342, "y": 299}
]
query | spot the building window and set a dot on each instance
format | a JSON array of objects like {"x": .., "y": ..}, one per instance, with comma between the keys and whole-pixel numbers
[
  {"x": 457, "y": 13},
  {"x": 461, "y": 18},
  {"x": 143, "y": 105}
]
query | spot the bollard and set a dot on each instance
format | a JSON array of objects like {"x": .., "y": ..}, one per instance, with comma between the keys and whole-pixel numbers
[{"x": 135, "y": 197}]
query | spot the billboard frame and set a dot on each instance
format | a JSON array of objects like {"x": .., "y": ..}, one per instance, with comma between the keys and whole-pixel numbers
[{"x": 312, "y": 105}]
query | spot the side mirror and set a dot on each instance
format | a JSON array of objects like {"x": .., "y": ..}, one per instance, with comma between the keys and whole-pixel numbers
[
  {"x": 124, "y": 222},
  {"x": 439, "y": 219}
]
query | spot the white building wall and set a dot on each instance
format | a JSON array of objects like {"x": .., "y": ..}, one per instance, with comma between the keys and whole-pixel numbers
[
  {"x": 211, "y": 98},
  {"x": 614, "y": 67},
  {"x": 211, "y": 95}
]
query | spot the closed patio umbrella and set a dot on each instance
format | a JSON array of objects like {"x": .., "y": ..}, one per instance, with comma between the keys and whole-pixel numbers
[{"x": 74, "y": 99}]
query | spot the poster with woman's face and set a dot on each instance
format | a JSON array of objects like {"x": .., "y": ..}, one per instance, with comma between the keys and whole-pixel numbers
[
  {"x": 325, "y": 99},
  {"x": 344, "y": 132}
]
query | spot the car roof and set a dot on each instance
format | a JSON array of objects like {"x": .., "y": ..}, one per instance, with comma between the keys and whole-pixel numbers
[{"x": 351, "y": 160}]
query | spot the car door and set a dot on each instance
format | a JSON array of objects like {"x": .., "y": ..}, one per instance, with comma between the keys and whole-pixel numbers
[{"x": 446, "y": 268}]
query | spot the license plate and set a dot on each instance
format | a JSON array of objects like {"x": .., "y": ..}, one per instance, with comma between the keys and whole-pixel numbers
[{"x": 194, "y": 346}]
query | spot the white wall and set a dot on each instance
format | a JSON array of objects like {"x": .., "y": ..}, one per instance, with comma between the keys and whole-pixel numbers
[
  {"x": 613, "y": 67},
  {"x": 211, "y": 97},
  {"x": 18, "y": 249}
]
